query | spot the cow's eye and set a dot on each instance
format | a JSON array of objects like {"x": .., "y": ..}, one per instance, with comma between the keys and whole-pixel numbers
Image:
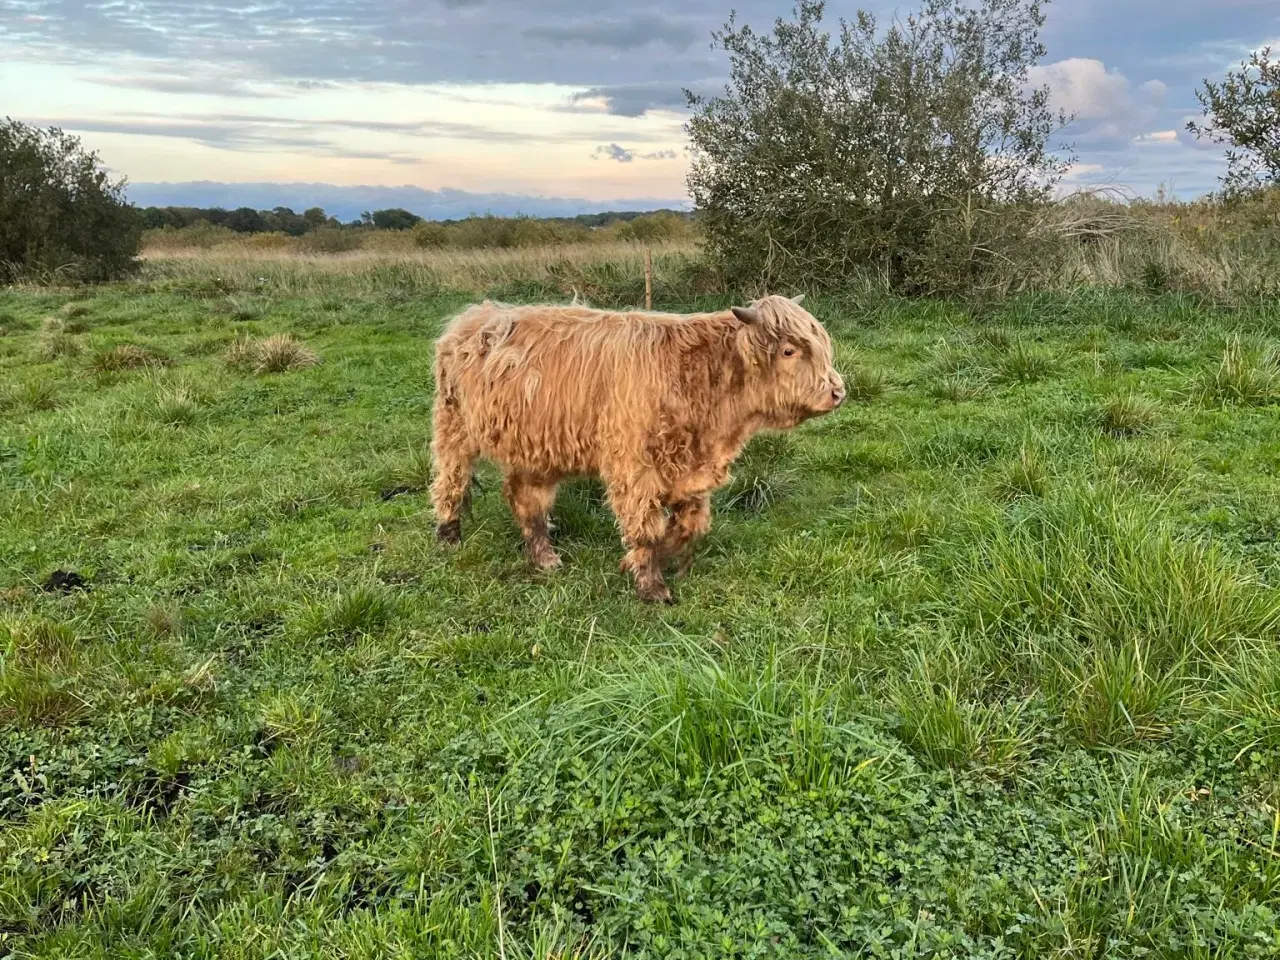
[{"x": 788, "y": 351}]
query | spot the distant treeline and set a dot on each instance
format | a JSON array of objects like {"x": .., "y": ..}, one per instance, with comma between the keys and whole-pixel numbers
[
  {"x": 313, "y": 231},
  {"x": 287, "y": 221}
]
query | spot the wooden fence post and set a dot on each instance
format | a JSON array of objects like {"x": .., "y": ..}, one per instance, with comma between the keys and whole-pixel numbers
[{"x": 648, "y": 279}]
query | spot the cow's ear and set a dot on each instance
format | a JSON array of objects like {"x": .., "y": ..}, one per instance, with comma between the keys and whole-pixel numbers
[
  {"x": 747, "y": 315},
  {"x": 798, "y": 299}
]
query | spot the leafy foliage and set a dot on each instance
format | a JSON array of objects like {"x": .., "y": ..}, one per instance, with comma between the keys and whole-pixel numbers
[
  {"x": 911, "y": 153},
  {"x": 1243, "y": 112},
  {"x": 490, "y": 232},
  {"x": 242, "y": 220},
  {"x": 393, "y": 219},
  {"x": 61, "y": 214}
]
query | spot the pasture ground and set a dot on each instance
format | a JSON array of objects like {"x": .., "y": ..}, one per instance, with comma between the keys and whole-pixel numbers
[{"x": 985, "y": 664}]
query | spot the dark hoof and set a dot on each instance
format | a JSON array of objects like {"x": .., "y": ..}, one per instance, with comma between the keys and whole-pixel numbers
[
  {"x": 659, "y": 594},
  {"x": 449, "y": 532},
  {"x": 544, "y": 559}
]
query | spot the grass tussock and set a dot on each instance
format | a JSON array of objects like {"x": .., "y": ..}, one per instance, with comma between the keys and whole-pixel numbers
[
  {"x": 1118, "y": 696},
  {"x": 59, "y": 338},
  {"x": 955, "y": 388},
  {"x": 126, "y": 356},
  {"x": 949, "y": 359},
  {"x": 1025, "y": 363},
  {"x": 75, "y": 309},
  {"x": 30, "y": 396},
  {"x": 360, "y": 611},
  {"x": 1154, "y": 466},
  {"x": 945, "y": 729},
  {"x": 1243, "y": 376},
  {"x": 176, "y": 404},
  {"x": 412, "y": 473},
  {"x": 864, "y": 385},
  {"x": 1026, "y": 476},
  {"x": 756, "y": 489},
  {"x": 277, "y": 353},
  {"x": 1127, "y": 416}
]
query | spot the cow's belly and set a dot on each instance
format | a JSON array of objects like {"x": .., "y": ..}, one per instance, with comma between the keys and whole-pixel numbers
[{"x": 540, "y": 445}]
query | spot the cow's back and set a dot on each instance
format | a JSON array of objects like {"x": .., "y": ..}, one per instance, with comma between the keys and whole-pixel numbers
[{"x": 549, "y": 389}]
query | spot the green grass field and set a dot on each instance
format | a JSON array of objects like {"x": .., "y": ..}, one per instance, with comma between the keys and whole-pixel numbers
[{"x": 984, "y": 664}]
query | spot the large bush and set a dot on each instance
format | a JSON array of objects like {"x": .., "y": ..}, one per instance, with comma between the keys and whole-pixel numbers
[
  {"x": 651, "y": 228},
  {"x": 61, "y": 215},
  {"x": 489, "y": 232},
  {"x": 914, "y": 153},
  {"x": 1243, "y": 114}
]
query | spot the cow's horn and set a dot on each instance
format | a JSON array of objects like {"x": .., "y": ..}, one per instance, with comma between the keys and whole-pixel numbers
[
  {"x": 798, "y": 299},
  {"x": 747, "y": 314}
]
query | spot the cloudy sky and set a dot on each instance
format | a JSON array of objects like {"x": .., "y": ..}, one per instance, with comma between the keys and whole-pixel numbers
[{"x": 549, "y": 97}]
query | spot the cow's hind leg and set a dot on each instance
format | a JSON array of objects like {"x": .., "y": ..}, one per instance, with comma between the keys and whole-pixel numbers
[
  {"x": 689, "y": 522},
  {"x": 531, "y": 499},
  {"x": 644, "y": 525},
  {"x": 454, "y": 460}
]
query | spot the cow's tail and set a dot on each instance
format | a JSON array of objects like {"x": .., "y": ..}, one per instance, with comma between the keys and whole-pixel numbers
[{"x": 453, "y": 453}]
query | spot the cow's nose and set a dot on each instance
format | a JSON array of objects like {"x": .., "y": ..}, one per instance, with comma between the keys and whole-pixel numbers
[{"x": 837, "y": 396}]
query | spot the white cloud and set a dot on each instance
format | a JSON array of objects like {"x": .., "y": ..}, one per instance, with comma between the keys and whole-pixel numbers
[
  {"x": 614, "y": 151},
  {"x": 1082, "y": 87},
  {"x": 1078, "y": 170},
  {"x": 1126, "y": 136},
  {"x": 1105, "y": 106}
]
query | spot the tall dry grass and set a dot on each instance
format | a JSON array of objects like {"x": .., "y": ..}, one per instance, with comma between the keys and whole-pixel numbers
[
  {"x": 1229, "y": 252},
  {"x": 1226, "y": 250},
  {"x": 606, "y": 273}
]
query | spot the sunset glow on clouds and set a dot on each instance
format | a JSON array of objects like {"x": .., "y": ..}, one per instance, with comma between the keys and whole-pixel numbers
[{"x": 557, "y": 98}]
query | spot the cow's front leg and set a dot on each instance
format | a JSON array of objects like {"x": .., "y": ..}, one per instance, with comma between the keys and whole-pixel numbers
[
  {"x": 644, "y": 525},
  {"x": 531, "y": 499},
  {"x": 690, "y": 520}
]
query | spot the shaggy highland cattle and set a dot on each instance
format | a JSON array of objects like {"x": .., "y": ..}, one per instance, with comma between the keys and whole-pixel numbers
[{"x": 656, "y": 405}]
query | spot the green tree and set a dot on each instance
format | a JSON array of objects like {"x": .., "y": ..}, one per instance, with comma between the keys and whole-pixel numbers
[
  {"x": 61, "y": 214},
  {"x": 394, "y": 219},
  {"x": 286, "y": 221},
  {"x": 886, "y": 152},
  {"x": 156, "y": 218},
  {"x": 1243, "y": 113},
  {"x": 245, "y": 220}
]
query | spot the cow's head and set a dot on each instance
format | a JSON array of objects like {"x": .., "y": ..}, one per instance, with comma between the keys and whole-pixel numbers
[{"x": 790, "y": 375}]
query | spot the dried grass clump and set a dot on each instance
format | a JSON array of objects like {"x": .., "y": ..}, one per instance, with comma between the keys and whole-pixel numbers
[
  {"x": 127, "y": 356},
  {"x": 274, "y": 354},
  {"x": 57, "y": 339}
]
